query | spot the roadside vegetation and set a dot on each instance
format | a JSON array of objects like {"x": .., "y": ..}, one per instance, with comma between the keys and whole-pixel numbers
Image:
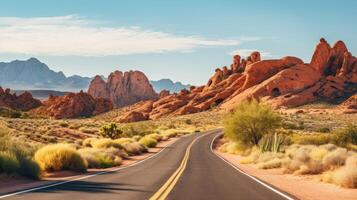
[
  {"x": 35, "y": 147},
  {"x": 16, "y": 157},
  {"x": 267, "y": 139}
]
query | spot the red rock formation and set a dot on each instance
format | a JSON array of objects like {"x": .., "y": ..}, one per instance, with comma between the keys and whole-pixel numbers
[
  {"x": 133, "y": 116},
  {"x": 23, "y": 102},
  {"x": 73, "y": 105},
  {"x": 321, "y": 56},
  {"x": 164, "y": 93},
  {"x": 285, "y": 82},
  {"x": 123, "y": 88},
  {"x": 98, "y": 88},
  {"x": 236, "y": 64},
  {"x": 350, "y": 105}
]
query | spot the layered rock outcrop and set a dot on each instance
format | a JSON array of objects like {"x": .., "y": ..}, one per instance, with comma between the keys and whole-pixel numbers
[
  {"x": 350, "y": 105},
  {"x": 23, "y": 102},
  {"x": 123, "y": 88},
  {"x": 287, "y": 82},
  {"x": 73, "y": 105}
]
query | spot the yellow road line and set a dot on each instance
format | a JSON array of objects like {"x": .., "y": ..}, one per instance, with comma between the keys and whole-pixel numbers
[{"x": 165, "y": 190}]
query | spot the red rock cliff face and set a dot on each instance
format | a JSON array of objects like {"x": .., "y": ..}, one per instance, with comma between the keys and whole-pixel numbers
[
  {"x": 23, "y": 102},
  {"x": 123, "y": 88},
  {"x": 287, "y": 82},
  {"x": 73, "y": 105}
]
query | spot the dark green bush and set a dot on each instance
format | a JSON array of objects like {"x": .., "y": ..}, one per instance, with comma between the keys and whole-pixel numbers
[
  {"x": 345, "y": 135},
  {"x": 23, "y": 154},
  {"x": 324, "y": 130},
  {"x": 110, "y": 131},
  {"x": 250, "y": 122},
  {"x": 10, "y": 113}
]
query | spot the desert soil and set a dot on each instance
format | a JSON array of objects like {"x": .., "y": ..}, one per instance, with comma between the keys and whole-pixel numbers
[{"x": 305, "y": 187}]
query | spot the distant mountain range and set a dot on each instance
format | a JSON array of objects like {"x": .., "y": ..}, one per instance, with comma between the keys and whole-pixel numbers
[
  {"x": 168, "y": 84},
  {"x": 32, "y": 74}
]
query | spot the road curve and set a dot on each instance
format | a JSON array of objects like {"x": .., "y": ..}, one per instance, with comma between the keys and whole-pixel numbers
[
  {"x": 203, "y": 175},
  {"x": 208, "y": 177}
]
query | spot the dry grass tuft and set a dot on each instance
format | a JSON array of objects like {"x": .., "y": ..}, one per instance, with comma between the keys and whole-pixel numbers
[
  {"x": 100, "y": 158},
  {"x": 57, "y": 157},
  {"x": 106, "y": 143},
  {"x": 148, "y": 141}
]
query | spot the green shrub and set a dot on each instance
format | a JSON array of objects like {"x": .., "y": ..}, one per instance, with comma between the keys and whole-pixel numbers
[
  {"x": 10, "y": 113},
  {"x": 346, "y": 135},
  {"x": 56, "y": 157},
  {"x": 148, "y": 141},
  {"x": 23, "y": 153},
  {"x": 272, "y": 142},
  {"x": 249, "y": 122},
  {"x": 8, "y": 162},
  {"x": 110, "y": 131}
]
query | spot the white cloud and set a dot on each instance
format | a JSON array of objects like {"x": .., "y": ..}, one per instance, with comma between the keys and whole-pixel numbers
[
  {"x": 247, "y": 52},
  {"x": 73, "y": 35}
]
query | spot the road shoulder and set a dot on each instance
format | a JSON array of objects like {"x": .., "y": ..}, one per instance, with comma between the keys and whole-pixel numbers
[{"x": 302, "y": 187}]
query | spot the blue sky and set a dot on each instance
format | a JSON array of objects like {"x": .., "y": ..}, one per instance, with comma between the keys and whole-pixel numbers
[{"x": 182, "y": 40}]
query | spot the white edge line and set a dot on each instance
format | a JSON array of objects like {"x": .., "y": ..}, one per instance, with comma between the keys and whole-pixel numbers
[
  {"x": 84, "y": 177},
  {"x": 250, "y": 176}
]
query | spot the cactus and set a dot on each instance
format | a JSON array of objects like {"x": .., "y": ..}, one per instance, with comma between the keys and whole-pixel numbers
[{"x": 271, "y": 142}]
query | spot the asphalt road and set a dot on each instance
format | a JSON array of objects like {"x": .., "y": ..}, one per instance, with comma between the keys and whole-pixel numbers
[{"x": 185, "y": 170}]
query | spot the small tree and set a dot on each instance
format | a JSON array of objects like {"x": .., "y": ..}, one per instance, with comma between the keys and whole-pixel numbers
[
  {"x": 110, "y": 131},
  {"x": 250, "y": 122}
]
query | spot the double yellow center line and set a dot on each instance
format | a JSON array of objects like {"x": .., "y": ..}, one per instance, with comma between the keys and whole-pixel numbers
[{"x": 165, "y": 190}]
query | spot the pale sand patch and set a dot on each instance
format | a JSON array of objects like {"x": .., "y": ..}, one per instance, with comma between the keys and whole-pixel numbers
[
  {"x": 303, "y": 187},
  {"x": 13, "y": 184}
]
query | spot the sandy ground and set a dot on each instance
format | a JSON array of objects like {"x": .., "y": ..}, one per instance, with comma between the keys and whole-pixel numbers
[
  {"x": 303, "y": 187},
  {"x": 13, "y": 184}
]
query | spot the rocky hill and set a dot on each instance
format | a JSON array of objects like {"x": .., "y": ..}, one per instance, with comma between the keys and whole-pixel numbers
[
  {"x": 23, "y": 102},
  {"x": 331, "y": 75},
  {"x": 123, "y": 88},
  {"x": 73, "y": 105}
]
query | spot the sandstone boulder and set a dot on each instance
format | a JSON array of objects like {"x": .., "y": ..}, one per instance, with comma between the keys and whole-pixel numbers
[{"x": 133, "y": 116}]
